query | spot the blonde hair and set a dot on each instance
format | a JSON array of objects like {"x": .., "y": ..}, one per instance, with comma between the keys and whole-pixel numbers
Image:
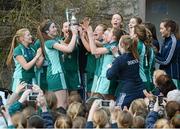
[
  {"x": 138, "y": 122},
  {"x": 51, "y": 100},
  {"x": 125, "y": 119},
  {"x": 158, "y": 73},
  {"x": 14, "y": 42},
  {"x": 100, "y": 118},
  {"x": 18, "y": 120},
  {"x": 138, "y": 107},
  {"x": 74, "y": 98},
  {"x": 75, "y": 109},
  {"x": 162, "y": 123},
  {"x": 79, "y": 122},
  {"x": 28, "y": 111},
  {"x": 63, "y": 122},
  {"x": 129, "y": 44}
]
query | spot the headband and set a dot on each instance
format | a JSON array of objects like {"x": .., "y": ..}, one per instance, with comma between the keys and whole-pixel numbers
[{"x": 46, "y": 27}]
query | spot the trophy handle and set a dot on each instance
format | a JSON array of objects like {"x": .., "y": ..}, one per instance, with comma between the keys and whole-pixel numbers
[{"x": 67, "y": 14}]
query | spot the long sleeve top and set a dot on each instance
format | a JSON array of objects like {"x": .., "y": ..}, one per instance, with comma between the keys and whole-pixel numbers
[
  {"x": 125, "y": 68},
  {"x": 169, "y": 57}
]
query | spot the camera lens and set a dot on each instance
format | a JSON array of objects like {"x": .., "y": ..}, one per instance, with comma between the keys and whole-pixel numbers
[{"x": 104, "y": 103}]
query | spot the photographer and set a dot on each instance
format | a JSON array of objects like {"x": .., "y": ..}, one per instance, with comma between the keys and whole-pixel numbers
[
  {"x": 155, "y": 113},
  {"x": 16, "y": 95},
  {"x": 98, "y": 114}
]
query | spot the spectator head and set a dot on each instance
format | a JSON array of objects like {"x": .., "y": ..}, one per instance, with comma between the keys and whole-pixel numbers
[
  {"x": 61, "y": 110},
  {"x": 90, "y": 101},
  {"x": 18, "y": 120},
  {"x": 125, "y": 119},
  {"x": 55, "y": 115},
  {"x": 175, "y": 121},
  {"x": 156, "y": 74},
  {"x": 28, "y": 111},
  {"x": 79, "y": 122},
  {"x": 138, "y": 107},
  {"x": 100, "y": 118},
  {"x": 51, "y": 100},
  {"x": 138, "y": 122},
  {"x": 162, "y": 123},
  {"x": 35, "y": 121},
  {"x": 74, "y": 98},
  {"x": 63, "y": 122},
  {"x": 174, "y": 95},
  {"x": 165, "y": 84},
  {"x": 76, "y": 109},
  {"x": 171, "y": 108}
]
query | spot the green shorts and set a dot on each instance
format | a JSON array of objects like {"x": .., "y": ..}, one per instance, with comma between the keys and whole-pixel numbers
[
  {"x": 56, "y": 82},
  {"x": 72, "y": 80}
]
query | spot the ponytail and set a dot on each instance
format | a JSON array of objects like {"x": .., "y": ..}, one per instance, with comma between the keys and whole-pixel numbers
[
  {"x": 129, "y": 45},
  {"x": 10, "y": 55},
  {"x": 40, "y": 36},
  {"x": 18, "y": 34},
  {"x": 134, "y": 49},
  {"x": 42, "y": 33}
]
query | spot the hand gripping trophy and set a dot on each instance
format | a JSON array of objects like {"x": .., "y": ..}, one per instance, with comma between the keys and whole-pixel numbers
[{"x": 70, "y": 15}]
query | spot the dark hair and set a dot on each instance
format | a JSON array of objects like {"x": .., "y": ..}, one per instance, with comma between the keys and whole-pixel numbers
[
  {"x": 171, "y": 108},
  {"x": 152, "y": 28},
  {"x": 42, "y": 33},
  {"x": 175, "y": 121},
  {"x": 117, "y": 33},
  {"x": 138, "y": 19},
  {"x": 35, "y": 121},
  {"x": 173, "y": 25},
  {"x": 145, "y": 36},
  {"x": 165, "y": 84}
]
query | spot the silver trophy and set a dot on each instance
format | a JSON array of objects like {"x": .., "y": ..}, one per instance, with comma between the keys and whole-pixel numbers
[{"x": 70, "y": 15}]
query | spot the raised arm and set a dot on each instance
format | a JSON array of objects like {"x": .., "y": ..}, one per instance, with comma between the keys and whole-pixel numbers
[
  {"x": 67, "y": 48},
  {"x": 84, "y": 39},
  {"x": 94, "y": 49}
]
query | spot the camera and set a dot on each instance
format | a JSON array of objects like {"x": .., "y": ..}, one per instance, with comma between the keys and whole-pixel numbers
[
  {"x": 151, "y": 105},
  {"x": 105, "y": 103},
  {"x": 32, "y": 96},
  {"x": 160, "y": 100},
  {"x": 29, "y": 86}
]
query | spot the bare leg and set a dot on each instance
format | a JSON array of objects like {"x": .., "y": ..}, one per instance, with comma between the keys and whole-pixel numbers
[{"x": 62, "y": 96}]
